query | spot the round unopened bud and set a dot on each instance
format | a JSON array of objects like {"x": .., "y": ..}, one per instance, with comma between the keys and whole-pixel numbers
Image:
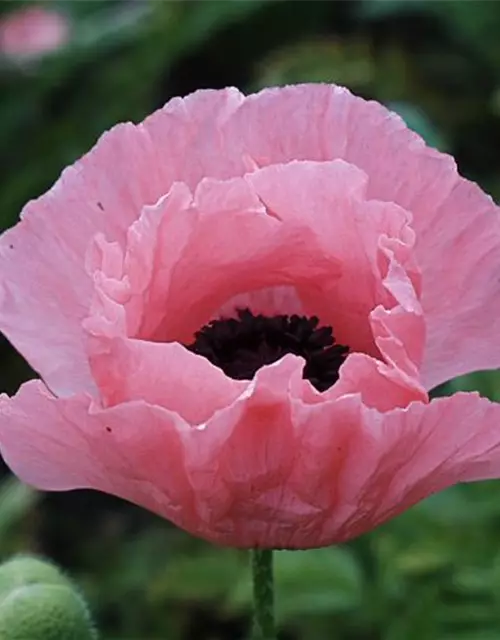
[
  {"x": 38, "y": 602},
  {"x": 24, "y": 570}
]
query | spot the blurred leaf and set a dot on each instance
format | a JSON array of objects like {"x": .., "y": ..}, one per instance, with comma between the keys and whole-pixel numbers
[
  {"x": 205, "y": 577},
  {"x": 421, "y": 560},
  {"x": 476, "y": 23},
  {"x": 415, "y": 619},
  {"x": 473, "y": 581},
  {"x": 416, "y": 119},
  {"x": 460, "y": 506},
  {"x": 16, "y": 500},
  {"x": 487, "y": 383},
  {"x": 199, "y": 19},
  {"x": 111, "y": 25},
  {"x": 467, "y": 614},
  {"x": 345, "y": 62},
  {"x": 377, "y": 9}
]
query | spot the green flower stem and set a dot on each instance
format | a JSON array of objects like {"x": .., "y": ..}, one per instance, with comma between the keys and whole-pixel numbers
[{"x": 263, "y": 594}]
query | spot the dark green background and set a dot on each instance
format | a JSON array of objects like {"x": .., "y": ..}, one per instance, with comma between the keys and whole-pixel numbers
[{"x": 433, "y": 573}]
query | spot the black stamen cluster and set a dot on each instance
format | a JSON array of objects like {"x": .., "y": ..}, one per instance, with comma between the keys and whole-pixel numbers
[{"x": 240, "y": 346}]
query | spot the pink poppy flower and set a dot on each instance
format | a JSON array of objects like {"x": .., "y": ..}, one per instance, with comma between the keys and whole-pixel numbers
[
  {"x": 32, "y": 32},
  {"x": 177, "y": 290}
]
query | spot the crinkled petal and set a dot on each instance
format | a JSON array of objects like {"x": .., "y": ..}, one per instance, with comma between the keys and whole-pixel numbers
[
  {"x": 335, "y": 469},
  {"x": 456, "y": 224},
  {"x": 261, "y": 232},
  {"x": 190, "y": 259},
  {"x": 330, "y": 198},
  {"x": 341, "y": 266},
  {"x": 131, "y": 450},
  {"x": 380, "y": 386},
  {"x": 269, "y": 470},
  {"x": 270, "y": 301},
  {"x": 44, "y": 286},
  {"x": 44, "y": 289},
  {"x": 221, "y": 134},
  {"x": 276, "y": 470},
  {"x": 187, "y": 133},
  {"x": 164, "y": 374},
  {"x": 359, "y": 467}
]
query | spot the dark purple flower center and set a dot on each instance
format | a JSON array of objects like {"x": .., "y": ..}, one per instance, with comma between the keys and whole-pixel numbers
[{"x": 240, "y": 346}]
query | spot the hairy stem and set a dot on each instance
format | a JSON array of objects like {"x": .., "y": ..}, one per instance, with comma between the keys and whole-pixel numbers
[{"x": 263, "y": 594}]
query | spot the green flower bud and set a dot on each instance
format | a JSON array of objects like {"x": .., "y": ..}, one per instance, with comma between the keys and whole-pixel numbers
[
  {"x": 24, "y": 570},
  {"x": 37, "y": 602}
]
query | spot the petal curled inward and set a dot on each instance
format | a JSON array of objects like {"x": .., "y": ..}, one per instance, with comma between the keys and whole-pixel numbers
[
  {"x": 331, "y": 198},
  {"x": 268, "y": 470},
  {"x": 223, "y": 232},
  {"x": 303, "y": 224},
  {"x": 457, "y": 226},
  {"x": 248, "y": 235},
  {"x": 164, "y": 374}
]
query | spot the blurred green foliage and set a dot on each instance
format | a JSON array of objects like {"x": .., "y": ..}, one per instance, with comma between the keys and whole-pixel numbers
[{"x": 432, "y": 573}]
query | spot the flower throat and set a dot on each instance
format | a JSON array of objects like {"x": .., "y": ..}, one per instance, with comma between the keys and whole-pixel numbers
[{"x": 241, "y": 346}]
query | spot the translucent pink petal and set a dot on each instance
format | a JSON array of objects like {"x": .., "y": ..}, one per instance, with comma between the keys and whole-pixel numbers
[
  {"x": 158, "y": 281},
  {"x": 187, "y": 133},
  {"x": 44, "y": 286},
  {"x": 44, "y": 289},
  {"x": 185, "y": 259},
  {"x": 275, "y": 471},
  {"x": 371, "y": 240},
  {"x": 380, "y": 386},
  {"x": 132, "y": 450},
  {"x": 363, "y": 467},
  {"x": 271, "y": 301},
  {"x": 269, "y": 470},
  {"x": 456, "y": 224},
  {"x": 164, "y": 374},
  {"x": 342, "y": 265},
  {"x": 221, "y": 134}
]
